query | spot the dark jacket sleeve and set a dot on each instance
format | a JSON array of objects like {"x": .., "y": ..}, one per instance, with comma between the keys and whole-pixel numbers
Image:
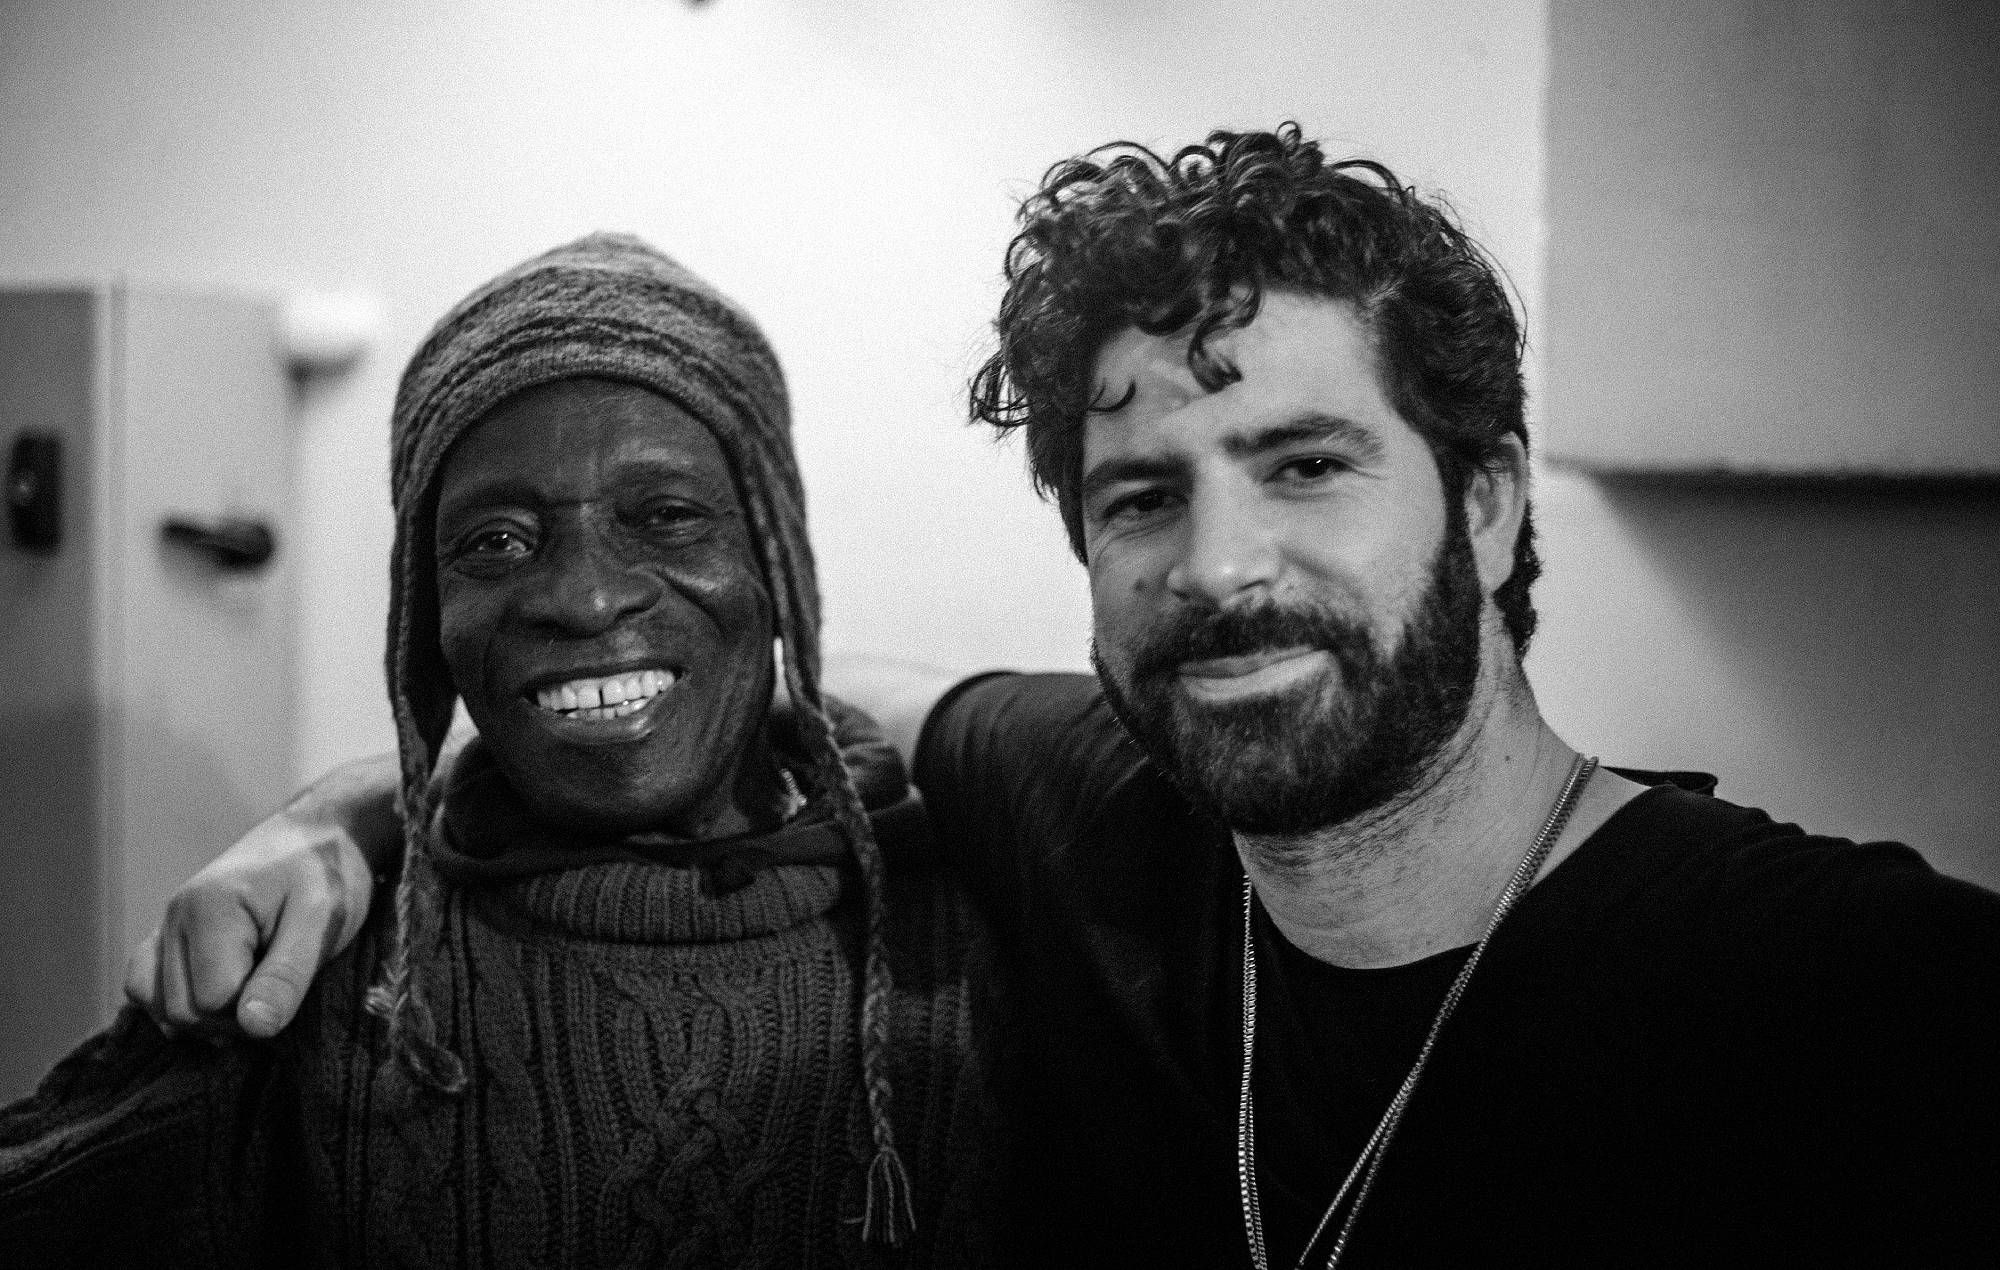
[
  {"x": 1010, "y": 767},
  {"x": 137, "y": 1150}
]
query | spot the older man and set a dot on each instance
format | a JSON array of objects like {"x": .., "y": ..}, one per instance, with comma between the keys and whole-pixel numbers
[
  {"x": 634, "y": 986},
  {"x": 1351, "y": 957}
]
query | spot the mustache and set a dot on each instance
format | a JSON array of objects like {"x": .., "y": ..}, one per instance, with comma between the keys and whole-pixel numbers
[{"x": 1201, "y": 634}]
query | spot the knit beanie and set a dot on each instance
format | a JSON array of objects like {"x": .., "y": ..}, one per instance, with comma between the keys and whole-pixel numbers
[{"x": 610, "y": 307}]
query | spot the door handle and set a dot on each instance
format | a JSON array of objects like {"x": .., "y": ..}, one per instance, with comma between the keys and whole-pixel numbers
[
  {"x": 34, "y": 491},
  {"x": 232, "y": 543}
]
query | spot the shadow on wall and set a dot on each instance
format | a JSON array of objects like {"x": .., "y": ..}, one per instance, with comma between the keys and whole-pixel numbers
[{"x": 1835, "y": 648}]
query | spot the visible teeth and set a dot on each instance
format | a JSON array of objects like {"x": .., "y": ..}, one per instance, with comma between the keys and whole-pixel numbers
[{"x": 611, "y": 697}]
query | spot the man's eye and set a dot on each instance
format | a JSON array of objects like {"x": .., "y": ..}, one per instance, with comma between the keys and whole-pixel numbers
[
  {"x": 1137, "y": 505},
  {"x": 671, "y": 517},
  {"x": 495, "y": 542},
  {"x": 494, "y": 548},
  {"x": 1310, "y": 467}
]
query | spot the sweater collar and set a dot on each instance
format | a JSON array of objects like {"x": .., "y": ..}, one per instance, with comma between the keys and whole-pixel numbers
[
  {"x": 645, "y": 887},
  {"x": 625, "y": 902}
]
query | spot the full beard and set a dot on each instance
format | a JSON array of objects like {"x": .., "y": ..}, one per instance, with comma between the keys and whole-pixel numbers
[{"x": 1328, "y": 751}]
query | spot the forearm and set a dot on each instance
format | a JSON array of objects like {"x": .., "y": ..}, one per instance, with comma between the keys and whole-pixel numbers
[
  {"x": 360, "y": 796},
  {"x": 243, "y": 938}
]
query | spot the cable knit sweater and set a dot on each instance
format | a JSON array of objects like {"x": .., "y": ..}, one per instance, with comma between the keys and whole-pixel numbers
[{"x": 658, "y": 1075}]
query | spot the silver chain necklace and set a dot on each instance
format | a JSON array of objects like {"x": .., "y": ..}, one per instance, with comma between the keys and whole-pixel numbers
[{"x": 1370, "y": 1160}]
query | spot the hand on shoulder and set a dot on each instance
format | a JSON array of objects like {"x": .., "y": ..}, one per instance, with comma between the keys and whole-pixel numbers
[{"x": 243, "y": 938}]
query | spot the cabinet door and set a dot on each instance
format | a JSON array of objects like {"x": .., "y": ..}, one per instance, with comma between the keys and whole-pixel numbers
[
  {"x": 146, "y": 682},
  {"x": 203, "y": 675},
  {"x": 52, "y": 972}
]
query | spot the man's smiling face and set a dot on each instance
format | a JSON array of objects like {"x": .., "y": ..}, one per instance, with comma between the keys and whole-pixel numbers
[
  {"x": 602, "y": 610},
  {"x": 1287, "y": 610}
]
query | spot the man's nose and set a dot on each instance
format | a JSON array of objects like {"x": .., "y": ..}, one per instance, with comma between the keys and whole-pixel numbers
[
  {"x": 587, "y": 585},
  {"x": 1230, "y": 553}
]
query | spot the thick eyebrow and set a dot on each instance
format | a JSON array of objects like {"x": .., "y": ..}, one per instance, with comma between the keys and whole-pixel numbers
[
  {"x": 1136, "y": 468},
  {"x": 1306, "y": 429}
]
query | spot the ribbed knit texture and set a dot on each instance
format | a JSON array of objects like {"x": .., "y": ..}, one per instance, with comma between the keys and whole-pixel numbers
[{"x": 657, "y": 1076}]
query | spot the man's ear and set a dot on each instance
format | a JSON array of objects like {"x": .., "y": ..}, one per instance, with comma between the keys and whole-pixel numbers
[{"x": 1496, "y": 501}]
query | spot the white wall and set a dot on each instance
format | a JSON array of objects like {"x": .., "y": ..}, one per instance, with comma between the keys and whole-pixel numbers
[
  {"x": 1775, "y": 235},
  {"x": 1833, "y": 657},
  {"x": 1774, "y": 244},
  {"x": 846, "y": 170}
]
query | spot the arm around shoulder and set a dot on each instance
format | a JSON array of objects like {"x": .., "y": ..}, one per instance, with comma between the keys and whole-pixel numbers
[{"x": 243, "y": 938}]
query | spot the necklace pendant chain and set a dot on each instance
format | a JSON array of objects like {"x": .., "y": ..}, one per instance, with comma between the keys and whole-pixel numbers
[{"x": 1361, "y": 1178}]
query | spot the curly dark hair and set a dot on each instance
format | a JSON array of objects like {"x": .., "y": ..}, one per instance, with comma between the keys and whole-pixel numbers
[{"x": 1121, "y": 238}]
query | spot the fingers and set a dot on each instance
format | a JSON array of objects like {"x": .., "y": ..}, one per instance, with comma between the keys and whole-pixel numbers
[
  {"x": 176, "y": 1010},
  {"x": 307, "y": 934},
  {"x": 142, "y": 978},
  {"x": 186, "y": 974},
  {"x": 313, "y": 926},
  {"x": 218, "y": 946},
  {"x": 301, "y": 888}
]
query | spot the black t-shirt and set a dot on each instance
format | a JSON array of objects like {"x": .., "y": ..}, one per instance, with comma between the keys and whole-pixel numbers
[{"x": 1704, "y": 1038}]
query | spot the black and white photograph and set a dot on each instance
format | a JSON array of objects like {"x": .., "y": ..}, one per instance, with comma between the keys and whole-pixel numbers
[{"x": 1000, "y": 633}]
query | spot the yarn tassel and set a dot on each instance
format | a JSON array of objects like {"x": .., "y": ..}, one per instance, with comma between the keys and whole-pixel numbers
[
  {"x": 889, "y": 1220},
  {"x": 398, "y": 999},
  {"x": 430, "y": 1062}
]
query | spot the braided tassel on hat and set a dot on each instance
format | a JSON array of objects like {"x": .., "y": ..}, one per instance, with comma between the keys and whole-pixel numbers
[{"x": 889, "y": 1218}]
